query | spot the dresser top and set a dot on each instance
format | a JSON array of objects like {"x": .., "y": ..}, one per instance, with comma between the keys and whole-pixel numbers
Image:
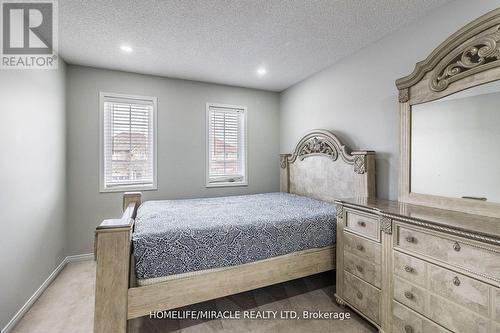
[{"x": 477, "y": 224}]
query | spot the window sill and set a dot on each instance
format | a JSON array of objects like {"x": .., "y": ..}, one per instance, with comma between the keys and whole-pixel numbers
[
  {"x": 128, "y": 188},
  {"x": 227, "y": 184}
]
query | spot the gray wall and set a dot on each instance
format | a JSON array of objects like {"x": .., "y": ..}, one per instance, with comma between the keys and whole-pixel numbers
[
  {"x": 357, "y": 97},
  {"x": 181, "y": 143},
  {"x": 32, "y": 182},
  {"x": 46, "y": 146}
]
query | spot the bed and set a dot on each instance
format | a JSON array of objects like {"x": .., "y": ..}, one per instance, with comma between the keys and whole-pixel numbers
[
  {"x": 165, "y": 254},
  {"x": 226, "y": 231}
]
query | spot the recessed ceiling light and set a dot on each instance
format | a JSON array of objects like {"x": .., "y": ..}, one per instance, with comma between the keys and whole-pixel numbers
[
  {"x": 261, "y": 71},
  {"x": 126, "y": 48}
]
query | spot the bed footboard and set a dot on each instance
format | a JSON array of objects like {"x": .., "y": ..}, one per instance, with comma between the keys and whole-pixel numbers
[{"x": 113, "y": 248}]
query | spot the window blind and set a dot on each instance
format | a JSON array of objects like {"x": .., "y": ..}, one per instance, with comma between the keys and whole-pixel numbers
[
  {"x": 128, "y": 142},
  {"x": 226, "y": 145}
]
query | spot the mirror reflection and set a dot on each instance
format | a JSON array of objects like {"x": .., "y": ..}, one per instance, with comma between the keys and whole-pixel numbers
[{"x": 455, "y": 145}]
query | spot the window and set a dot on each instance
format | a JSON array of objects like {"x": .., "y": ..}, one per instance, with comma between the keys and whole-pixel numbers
[
  {"x": 127, "y": 142},
  {"x": 226, "y": 145}
]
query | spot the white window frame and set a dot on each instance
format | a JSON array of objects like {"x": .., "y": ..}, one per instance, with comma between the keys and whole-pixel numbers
[
  {"x": 245, "y": 144},
  {"x": 131, "y": 187}
]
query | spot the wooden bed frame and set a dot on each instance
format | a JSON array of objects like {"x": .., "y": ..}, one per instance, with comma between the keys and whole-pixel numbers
[{"x": 320, "y": 167}]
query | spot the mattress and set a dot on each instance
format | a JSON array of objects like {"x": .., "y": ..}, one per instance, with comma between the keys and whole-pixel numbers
[{"x": 182, "y": 236}]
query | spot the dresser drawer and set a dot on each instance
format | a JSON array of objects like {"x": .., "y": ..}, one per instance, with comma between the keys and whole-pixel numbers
[
  {"x": 496, "y": 304},
  {"x": 362, "y": 247},
  {"x": 472, "y": 294},
  {"x": 456, "y": 319},
  {"x": 463, "y": 254},
  {"x": 409, "y": 295},
  {"x": 362, "y": 224},
  {"x": 407, "y": 321},
  {"x": 362, "y": 296},
  {"x": 410, "y": 268},
  {"x": 366, "y": 270}
]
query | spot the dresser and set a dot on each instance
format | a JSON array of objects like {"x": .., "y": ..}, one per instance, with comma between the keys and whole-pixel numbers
[
  {"x": 430, "y": 262},
  {"x": 412, "y": 269}
]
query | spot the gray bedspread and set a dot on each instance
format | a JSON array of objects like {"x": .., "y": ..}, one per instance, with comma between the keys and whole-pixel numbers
[{"x": 180, "y": 236}]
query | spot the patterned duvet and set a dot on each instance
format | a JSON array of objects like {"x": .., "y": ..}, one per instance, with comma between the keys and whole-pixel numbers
[{"x": 180, "y": 236}]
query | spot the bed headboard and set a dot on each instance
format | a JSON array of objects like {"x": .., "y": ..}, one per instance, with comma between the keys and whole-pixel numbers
[{"x": 321, "y": 167}]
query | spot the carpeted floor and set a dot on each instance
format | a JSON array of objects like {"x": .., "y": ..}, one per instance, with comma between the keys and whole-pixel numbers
[{"x": 68, "y": 305}]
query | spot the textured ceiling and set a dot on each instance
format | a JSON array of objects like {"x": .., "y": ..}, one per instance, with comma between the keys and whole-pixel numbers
[{"x": 226, "y": 41}]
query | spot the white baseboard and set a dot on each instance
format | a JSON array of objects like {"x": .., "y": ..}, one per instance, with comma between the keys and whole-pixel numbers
[
  {"x": 79, "y": 257},
  {"x": 12, "y": 323}
]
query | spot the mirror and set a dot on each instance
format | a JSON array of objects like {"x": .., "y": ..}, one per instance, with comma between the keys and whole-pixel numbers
[{"x": 455, "y": 145}]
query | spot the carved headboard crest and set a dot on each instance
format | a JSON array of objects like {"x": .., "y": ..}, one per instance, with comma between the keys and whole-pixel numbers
[
  {"x": 318, "y": 145},
  {"x": 324, "y": 143},
  {"x": 322, "y": 167}
]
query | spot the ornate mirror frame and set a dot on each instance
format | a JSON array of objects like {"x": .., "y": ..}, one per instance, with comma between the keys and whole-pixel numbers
[{"x": 468, "y": 58}]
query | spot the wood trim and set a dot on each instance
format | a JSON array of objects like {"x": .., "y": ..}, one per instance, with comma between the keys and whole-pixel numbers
[
  {"x": 387, "y": 281},
  {"x": 405, "y": 195},
  {"x": 326, "y": 144},
  {"x": 450, "y": 68},
  {"x": 126, "y": 221},
  {"x": 132, "y": 197},
  {"x": 472, "y": 29},
  {"x": 465, "y": 205},
  {"x": 198, "y": 288},
  {"x": 284, "y": 173},
  {"x": 113, "y": 249},
  {"x": 404, "y": 151},
  {"x": 420, "y": 222},
  {"x": 339, "y": 272},
  {"x": 342, "y": 302},
  {"x": 112, "y": 278}
]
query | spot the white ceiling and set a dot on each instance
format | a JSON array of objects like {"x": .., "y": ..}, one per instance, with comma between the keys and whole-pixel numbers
[{"x": 226, "y": 41}]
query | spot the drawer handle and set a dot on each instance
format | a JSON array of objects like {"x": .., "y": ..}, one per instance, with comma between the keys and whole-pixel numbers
[
  {"x": 362, "y": 223},
  {"x": 456, "y": 246},
  {"x": 409, "y": 269},
  {"x": 359, "y": 268},
  {"x": 409, "y": 294},
  {"x": 408, "y": 329},
  {"x": 359, "y": 295},
  {"x": 360, "y": 247},
  {"x": 456, "y": 281},
  {"x": 411, "y": 239}
]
